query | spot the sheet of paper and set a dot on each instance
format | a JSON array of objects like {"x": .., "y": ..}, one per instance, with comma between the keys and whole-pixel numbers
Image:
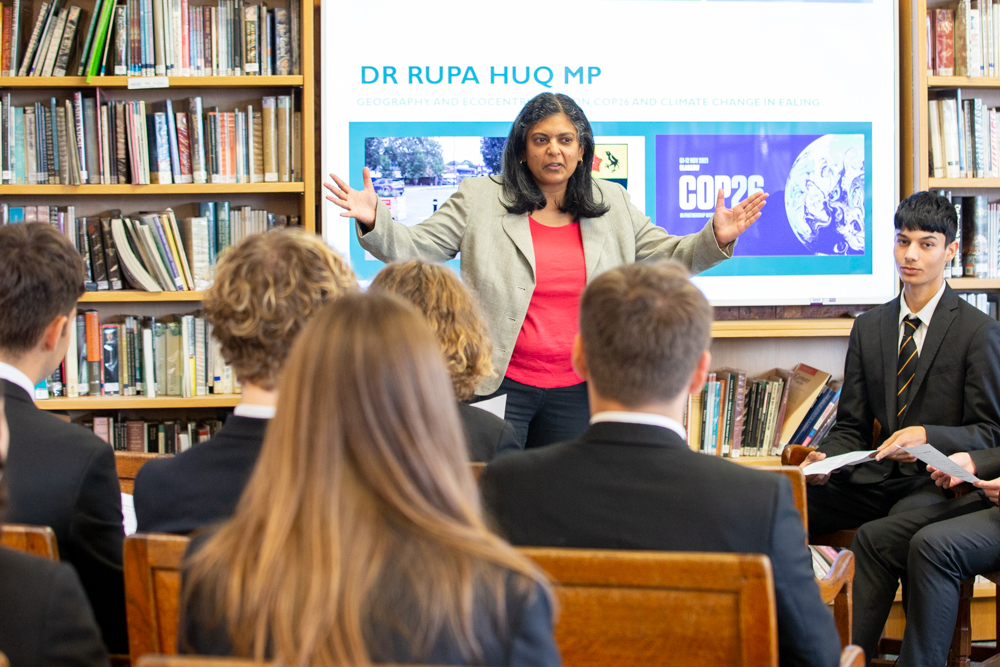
[
  {"x": 831, "y": 463},
  {"x": 495, "y": 406},
  {"x": 931, "y": 456},
  {"x": 128, "y": 514}
]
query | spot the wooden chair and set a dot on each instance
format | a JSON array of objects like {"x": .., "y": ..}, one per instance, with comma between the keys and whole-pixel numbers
[
  {"x": 3, "y": 660},
  {"x": 477, "y": 470},
  {"x": 128, "y": 464},
  {"x": 36, "y": 540},
  {"x": 152, "y": 591},
  {"x": 837, "y": 587},
  {"x": 793, "y": 455}
]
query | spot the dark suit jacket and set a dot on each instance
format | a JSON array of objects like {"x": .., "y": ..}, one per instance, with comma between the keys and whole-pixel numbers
[
  {"x": 633, "y": 486},
  {"x": 44, "y": 617},
  {"x": 487, "y": 434},
  {"x": 202, "y": 485},
  {"x": 956, "y": 394},
  {"x": 63, "y": 476},
  {"x": 528, "y": 641}
]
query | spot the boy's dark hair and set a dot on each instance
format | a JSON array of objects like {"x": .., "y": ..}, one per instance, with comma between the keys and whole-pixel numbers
[
  {"x": 927, "y": 212},
  {"x": 41, "y": 278}
]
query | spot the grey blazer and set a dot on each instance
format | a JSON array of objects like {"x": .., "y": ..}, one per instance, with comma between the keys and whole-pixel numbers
[{"x": 498, "y": 257}]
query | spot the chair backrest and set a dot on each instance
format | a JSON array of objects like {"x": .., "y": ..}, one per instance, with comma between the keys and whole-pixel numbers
[
  {"x": 798, "y": 480},
  {"x": 3, "y": 660},
  {"x": 627, "y": 608},
  {"x": 152, "y": 591},
  {"x": 128, "y": 465},
  {"x": 36, "y": 540}
]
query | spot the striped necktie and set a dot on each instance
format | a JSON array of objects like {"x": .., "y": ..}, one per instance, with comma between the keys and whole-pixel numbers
[{"x": 907, "y": 365}]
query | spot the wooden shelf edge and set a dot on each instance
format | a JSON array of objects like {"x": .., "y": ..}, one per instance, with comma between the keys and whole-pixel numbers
[
  {"x": 757, "y": 461},
  {"x": 173, "y": 189},
  {"x": 963, "y": 82},
  {"x": 174, "y": 81},
  {"x": 963, "y": 183},
  {"x": 790, "y": 328},
  {"x": 966, "y": 284},
  {"x": 138, "y": 402},
  {"x": 135, "y": 296}
]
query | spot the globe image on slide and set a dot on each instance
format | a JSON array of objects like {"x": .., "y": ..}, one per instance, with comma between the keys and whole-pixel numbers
[{"x": 825, "y": 195}]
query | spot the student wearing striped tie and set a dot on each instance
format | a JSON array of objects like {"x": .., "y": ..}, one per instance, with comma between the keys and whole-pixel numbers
[{"x": 923, "y": 368}]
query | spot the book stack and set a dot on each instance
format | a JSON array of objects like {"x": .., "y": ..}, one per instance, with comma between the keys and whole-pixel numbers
[
  {"x": 984, "y": 301},
  {"x": 964, "y": 138},
  {"x": 822, "y": 559},
  {"x": 140, "y": 356},
  {"x": 93, "y": 140},
  {"x": 140, "y": 38},
  {"x": 964, "y": 39},
  {"x": 154, "y": 437},
  {"x": 739, "y": 416}
]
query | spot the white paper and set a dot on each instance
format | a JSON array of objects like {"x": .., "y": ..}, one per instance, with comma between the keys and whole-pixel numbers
[
  {"x": 128, "y": 514},
  {"x": 931, "y": 456},
  {"x": 495, "y": 406},
  {"x": 147, "y": 82},
  {"x": 831, "y": 463}
]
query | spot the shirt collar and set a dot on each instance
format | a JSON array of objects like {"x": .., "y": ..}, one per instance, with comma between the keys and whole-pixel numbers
[
  {"x": 647, "y": 418},
  {"x": 255, "y": 411},
  {"x": 17, "y": 376},
  {"x": 926, "y": 313}
]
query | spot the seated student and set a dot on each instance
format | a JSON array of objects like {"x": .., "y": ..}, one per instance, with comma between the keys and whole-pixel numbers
[
  {"x": 266, "y": 288},
  {"x": 922, "y": 368},
  {"x": 454, "y": 316},
  {"x": 59, "y": 475},
  {"x": 632, "y": 482},
  {"x": 44, "y": 618},
  {"x": 359, "y": 537}
]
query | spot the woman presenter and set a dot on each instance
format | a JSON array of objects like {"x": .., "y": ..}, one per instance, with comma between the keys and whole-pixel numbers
[{"x": 530, "y": 240}]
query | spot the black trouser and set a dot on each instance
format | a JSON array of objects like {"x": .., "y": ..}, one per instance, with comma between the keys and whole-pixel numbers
[
  {"x": 930, "y": 550},
  {"x": 842, "y": 505},
  {"x": 544, "y": 416}
]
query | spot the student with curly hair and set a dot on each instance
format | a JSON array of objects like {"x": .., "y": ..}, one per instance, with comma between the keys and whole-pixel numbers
[
  {"x": 360, "y": 537},
  {"x": 266, "y": 288},
  {"x": 454, "y": 316}
]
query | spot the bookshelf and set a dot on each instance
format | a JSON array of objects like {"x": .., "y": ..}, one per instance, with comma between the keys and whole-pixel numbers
[{"x": 224, "y": 92}]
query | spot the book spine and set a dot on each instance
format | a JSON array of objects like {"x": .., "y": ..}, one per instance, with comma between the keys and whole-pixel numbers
[
  {"x": 197, "y": 130},
  {"x": 183, "y": 148},
  {"x": 158, "y": 35},
  {"x": 121, "y": 41},
  {"x": 284, "y": 138},
  {"x": 54, "y": 42},
  {"x": 175, "y": 158},
  {"x": 111, "y": 342},
  {"x": 53, "y": 143},
  {"x": 95, "y": 18},
  {"x": 66, "y": 43},
  {"x": 250, "y": 44},
  {"x": 30, "y": 150},
  {"x": 92, "y": 328},
  {"x": 111, "y": 256},
  {"x": 5, "y": 34},
  {"x": 283, "y": 42},
  {"x": 944, "y": 42},
  {"x": 36, "y": 35},
  {"x": 296, "y": 36},
  {"x": 270, "y": 144},
  {"x": 979, "y": 137},
  {"x": 98, "y": 267}
]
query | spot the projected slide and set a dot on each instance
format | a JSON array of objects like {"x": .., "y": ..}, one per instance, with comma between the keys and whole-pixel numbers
[{"x": 793, "y": 98}]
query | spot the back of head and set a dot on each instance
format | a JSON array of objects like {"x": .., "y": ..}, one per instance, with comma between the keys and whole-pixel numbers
[
  {"x": 362, "y": 504},
  {"x": 453, "y": 314},
  {"x": 644, "y": 327},
  {"x": 266, "y": 288},
  {"x": 41, "y": 278},
  {"x": 927, "y": 212}
]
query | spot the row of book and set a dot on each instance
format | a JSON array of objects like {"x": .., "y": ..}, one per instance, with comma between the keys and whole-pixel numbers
[
  {"x": 982, "y": 301},
  {"x": 964, "y": 39},
  {"x": 964, "y": 138},
  {"x": 736, "y": 416},
  {"x": 152, "y": 437},
  {"x": 140, "y": 356},
  {"x": 978, "y": 235},
  {"x": 150, "y": 38},
  {"x": 152, "y": 252},
  {"x": 93, "y": 140}
]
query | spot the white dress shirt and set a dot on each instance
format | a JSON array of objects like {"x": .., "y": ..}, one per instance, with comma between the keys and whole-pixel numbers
[
  {"x": 647, "y": 418},
  {"x": 255, "y": 411},
  {"x": 925, "y": 315},
  {"x": 15, "y": 375}
]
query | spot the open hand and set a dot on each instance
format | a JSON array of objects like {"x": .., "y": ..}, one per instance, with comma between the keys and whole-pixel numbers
[
  {"x": 815, "y": 480},
  {"x": 357, "y": 204},
  {"x": 947, "y": 481},
  {"x": 894, "y": 447},
  {"x": 729, "y": 223},
  {"x": 992, "y": 489}
]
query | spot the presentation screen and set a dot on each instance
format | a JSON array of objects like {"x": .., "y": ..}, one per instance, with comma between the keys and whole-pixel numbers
[{"x": 685, "y": 97}]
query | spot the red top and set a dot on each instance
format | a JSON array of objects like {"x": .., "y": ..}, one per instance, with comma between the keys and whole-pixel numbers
[{"x": 541, "y": 356}]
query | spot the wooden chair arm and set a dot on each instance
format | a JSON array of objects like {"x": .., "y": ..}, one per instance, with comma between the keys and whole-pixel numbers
[
  {"x": 841, "y": 574},
  {"x": 793, "y": 455},
  {"x": 852, "y": 656}
]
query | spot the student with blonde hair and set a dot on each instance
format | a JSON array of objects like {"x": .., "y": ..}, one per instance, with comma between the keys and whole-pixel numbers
[
  {"x": 454, "y": 316},
  {"x": 359, "y": 538},
  {"x": 265, "y": 290}
]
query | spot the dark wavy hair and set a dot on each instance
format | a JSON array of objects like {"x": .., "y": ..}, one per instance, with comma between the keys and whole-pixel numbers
[{"x": 520, "y": 191}]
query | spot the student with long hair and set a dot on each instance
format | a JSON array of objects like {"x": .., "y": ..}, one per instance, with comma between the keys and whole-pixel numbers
[
  {"x": 454, "y": 315},
  {"x": 359, "y": 538},
  {"x": 531, "y": 239}
]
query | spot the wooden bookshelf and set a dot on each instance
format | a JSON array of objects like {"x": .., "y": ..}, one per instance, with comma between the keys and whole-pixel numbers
[
  {"x": 790, "y": 328},
  {"x": 963, "y": 183},
  {"x": 88, "y": 403},
  {"x": 974, "y": 284},
  {"x": 133, "y": 296},
  {"x": 171, "y": 189},
  {"x": 757, "y": 461},
  {"x": 963, "y": 82},
  {"x": 173, "y": 82}
]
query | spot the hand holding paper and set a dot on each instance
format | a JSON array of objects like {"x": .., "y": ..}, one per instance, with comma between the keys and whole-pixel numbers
[
  {"x": 831, "y": 463},
  {"x": 931, "y": 456}
]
